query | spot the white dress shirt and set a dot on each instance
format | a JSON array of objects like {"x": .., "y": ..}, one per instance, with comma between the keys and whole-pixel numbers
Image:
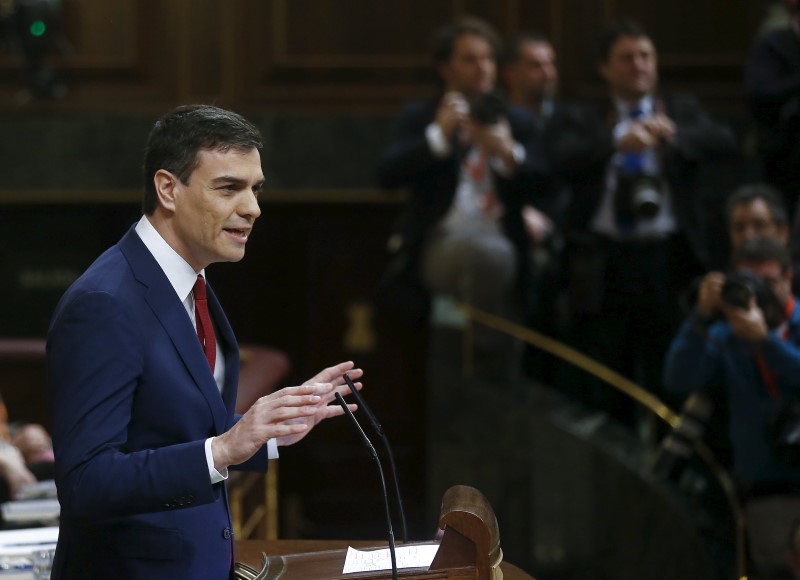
[{"x": 182, "y": 277}]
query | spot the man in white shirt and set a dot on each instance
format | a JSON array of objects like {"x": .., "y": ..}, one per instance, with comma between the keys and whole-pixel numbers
[{"x": 465, "y": 156}]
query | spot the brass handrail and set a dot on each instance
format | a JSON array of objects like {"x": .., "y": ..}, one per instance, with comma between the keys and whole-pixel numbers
[{"x": 619, "y": 382}]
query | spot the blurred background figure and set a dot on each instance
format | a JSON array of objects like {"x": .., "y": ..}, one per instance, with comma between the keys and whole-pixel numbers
[
  {"x": 635, "y": 227},
  {"x": 467, "y": 157},
  {"x": 772, "y": 83},
  {"x": 745, "y": 335},
  {"x": 26, "y": 455},
  {"x": 529, "y": 71}
]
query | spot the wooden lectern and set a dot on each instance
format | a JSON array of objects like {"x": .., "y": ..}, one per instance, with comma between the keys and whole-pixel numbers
[{"x": 468, "y": 538}]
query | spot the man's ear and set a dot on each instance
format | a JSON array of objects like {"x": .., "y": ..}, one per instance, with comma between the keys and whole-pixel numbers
[{"x": 166, "y": 184}]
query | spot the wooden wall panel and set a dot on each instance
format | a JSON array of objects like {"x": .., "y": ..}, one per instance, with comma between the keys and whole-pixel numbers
[
  {"x": 101, "y": 35},
  {"x": 358, "y": 55},
  {"x": 348, "y": 51}
]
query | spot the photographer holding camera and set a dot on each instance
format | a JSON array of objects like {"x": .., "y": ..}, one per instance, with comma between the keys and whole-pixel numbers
[
  {"x": 469, "y": 163},
  {"x": 635, "y": 227},
  {"x": 745, "y": 335}
]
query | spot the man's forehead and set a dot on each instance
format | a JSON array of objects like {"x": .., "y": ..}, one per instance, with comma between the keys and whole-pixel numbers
[
  {"x": 627, "y": 44},
  {"x": 237, "y": 162},
  {"x": 537, "y": 49},
  {"x": 469, "y": 42},
  {"x": 750, "y": 209}
]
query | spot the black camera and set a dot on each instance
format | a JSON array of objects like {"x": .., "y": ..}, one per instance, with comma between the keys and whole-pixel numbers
[
  {"x": 638, "y": 196},
  {"x": 741, "y": 287},
  {"x": 487, "y": 108}
]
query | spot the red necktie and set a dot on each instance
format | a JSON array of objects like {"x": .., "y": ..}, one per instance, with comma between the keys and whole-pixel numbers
[{"x": 205, "y": 330}]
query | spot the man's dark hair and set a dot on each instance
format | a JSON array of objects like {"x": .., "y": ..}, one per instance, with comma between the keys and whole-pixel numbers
[
  {"x": 747, "y": 194},
  {"x": 761, "y": 250},
  {"x": 445, "y": 38},
  {"x": 616, "y": 31},
  {"x": 511, "y": 50},
  {"x": 178, "y": 136}
]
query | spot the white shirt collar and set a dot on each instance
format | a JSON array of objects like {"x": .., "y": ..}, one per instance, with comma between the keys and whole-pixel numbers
[
  {"x": 178, "y": 271},
  {"x": 624, "y": 108}
]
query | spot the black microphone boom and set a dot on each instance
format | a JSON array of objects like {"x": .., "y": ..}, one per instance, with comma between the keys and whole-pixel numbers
[
  {"x": 362, "y": 404},
  {"x": 374, "y": 455}
]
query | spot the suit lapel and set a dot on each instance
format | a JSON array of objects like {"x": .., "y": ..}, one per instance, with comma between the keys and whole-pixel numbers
[{"x": 170, "y": 311}]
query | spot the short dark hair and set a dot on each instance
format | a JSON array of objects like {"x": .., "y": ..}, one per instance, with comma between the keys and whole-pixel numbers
[
  {"x": 747, "y": 194},
  {"x": 511, "y": 49},
  {"x": 760, "y": 250},
  {"x": 445, "y": 38},
  {"x": 614, "y": 32},
  {"x": 178, "y": 136}
]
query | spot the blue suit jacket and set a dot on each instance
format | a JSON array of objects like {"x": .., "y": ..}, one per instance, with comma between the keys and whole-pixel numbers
[{"x": 133, "y": 402}]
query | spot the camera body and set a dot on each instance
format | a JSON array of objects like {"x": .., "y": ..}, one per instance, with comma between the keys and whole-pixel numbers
[
  {"x": 740, "y": 288},
  {"x": 487, "y": 108}
]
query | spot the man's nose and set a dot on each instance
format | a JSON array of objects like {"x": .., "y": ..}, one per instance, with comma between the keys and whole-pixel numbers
[{"x": 250, "y": 206}]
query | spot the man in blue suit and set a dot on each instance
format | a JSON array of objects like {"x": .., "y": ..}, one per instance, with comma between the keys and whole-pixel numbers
[{"x": 143, "y": 374}]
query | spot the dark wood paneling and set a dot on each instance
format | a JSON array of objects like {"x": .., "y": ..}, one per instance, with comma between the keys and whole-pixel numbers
[
  {"x": 701, "y": 46},
  {"x": 328, "y": 55}
]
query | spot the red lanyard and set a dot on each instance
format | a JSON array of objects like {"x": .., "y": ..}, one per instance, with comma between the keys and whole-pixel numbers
[{"x": 771, "y": 379}]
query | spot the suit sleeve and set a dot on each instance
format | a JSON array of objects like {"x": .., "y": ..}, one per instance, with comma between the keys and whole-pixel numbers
[
  {"x": 95, "y": 360},
  {"x": 408, "y": 156},
  {"x": 697, "y": 136}
]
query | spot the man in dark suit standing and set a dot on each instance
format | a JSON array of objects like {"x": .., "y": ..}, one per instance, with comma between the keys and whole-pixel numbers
[
  {"x": 143, "y": 369},
  {"x": 466, "y": 158},
  {"x": 635, "y": 225},
  {"x": 529, "y": 70}
]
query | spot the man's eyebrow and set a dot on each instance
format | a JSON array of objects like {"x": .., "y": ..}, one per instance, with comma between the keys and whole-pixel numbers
[{"x": 226, "y": 179}]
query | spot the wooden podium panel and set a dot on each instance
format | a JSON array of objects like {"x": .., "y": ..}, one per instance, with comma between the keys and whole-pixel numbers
[
  {"x": 249, "y": 552},
  {"x": 468, "y": 539}
]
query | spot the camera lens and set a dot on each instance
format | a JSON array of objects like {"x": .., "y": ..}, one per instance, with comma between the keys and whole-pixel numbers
[
  {"x": 646, "y": 199},
  {"x": 737, "y": 291}
]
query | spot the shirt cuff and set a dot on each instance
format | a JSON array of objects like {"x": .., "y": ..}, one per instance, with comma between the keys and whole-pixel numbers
[
  {"x": 215, "y": 475},
  {"x": 501, "y": 167},
  {"x": 272, "y": 448},
  {"x": 439, "y": 146}
]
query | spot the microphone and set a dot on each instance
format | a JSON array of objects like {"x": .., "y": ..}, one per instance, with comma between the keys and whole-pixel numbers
[
  {"x": 362, "y": 404},
  {"x": 678, "y": 445},
  {"x": 374, "y": 455}
]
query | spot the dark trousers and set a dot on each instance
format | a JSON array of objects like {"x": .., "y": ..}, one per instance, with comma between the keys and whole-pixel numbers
[{"x": 624, "y": 312}]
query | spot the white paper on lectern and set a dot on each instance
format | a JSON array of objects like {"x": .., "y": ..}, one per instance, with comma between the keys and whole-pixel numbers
[{"x": 417, "y": 556}]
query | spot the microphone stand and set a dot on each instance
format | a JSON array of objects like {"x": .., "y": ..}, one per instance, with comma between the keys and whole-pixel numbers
[
  {"x": 362, "y": 404},
  {"x": 374, "y": 455}
]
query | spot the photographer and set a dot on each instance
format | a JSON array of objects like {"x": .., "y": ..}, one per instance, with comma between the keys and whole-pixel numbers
[
  {"x": 468, "y": 160},
  {"x": 745, "y": 335},
  {"x": 635, "y": 227}
]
